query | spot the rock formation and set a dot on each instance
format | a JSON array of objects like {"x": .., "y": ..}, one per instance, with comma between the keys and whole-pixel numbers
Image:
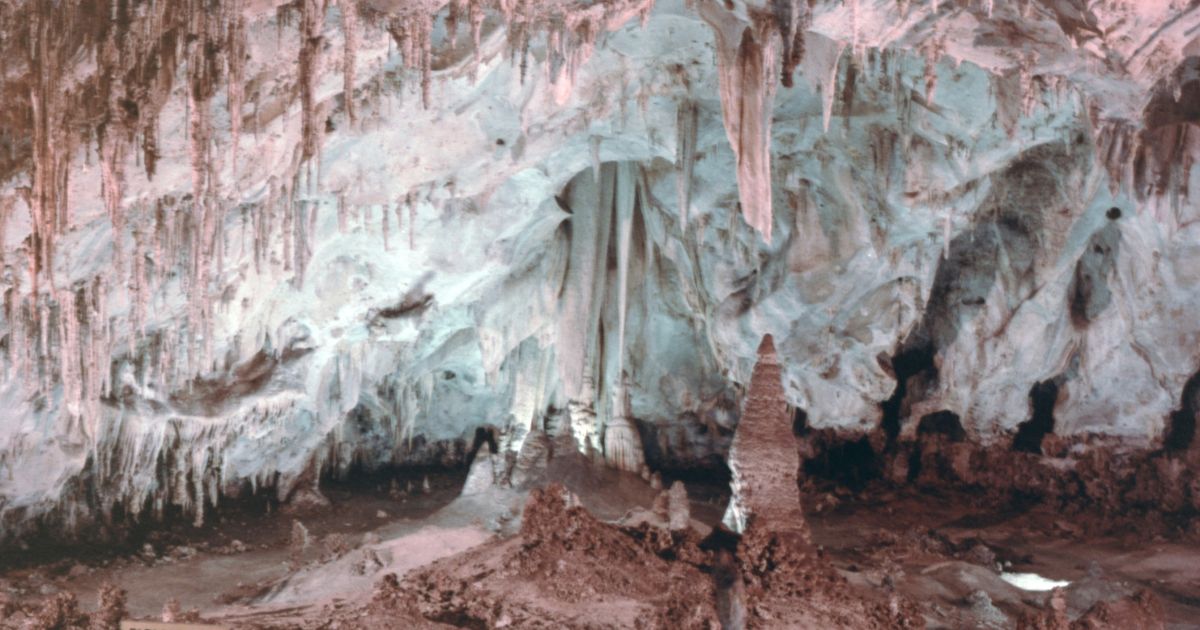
[
  {"x": 248, "y": 244},
  {"x": 764, "y": 459}
]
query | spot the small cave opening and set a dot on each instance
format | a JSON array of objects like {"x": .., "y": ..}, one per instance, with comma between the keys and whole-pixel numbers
[
  {"x": 1181, "y": 427},
  {"x": 483, "y": 435},
  {"x": 943, "y": 422},
  {"x": 905, "y": 365},
  {"x": 851, "y": 463},
  {"x": 800, "y": 422},
  {"x": 1042, "y": 398},
  {"x": 670, "y": 452}
]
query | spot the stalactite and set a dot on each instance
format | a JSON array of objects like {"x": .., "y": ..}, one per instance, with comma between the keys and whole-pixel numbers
[
  {"x": 400, "y": 206},
  {"x": 594, "y": 153},
  {"x": 746, "y": 68},
  {"x": 68, "y": 352},
  {"x": 792, "y": 20},
  {"x": 235, "y": 70},
  {"x": 584, "y": 286},
  {"x": 933, "y": 53},
  {"x": 51, "y": 145},
  {"x": 312, "y": 17},
  {"x": 854, "y": 27},
  {"x": 286, "y": 228},
  {"x": 625, "y": 199},
  {"x": 350, "y": 34},
  {"x": 383, "y": 225},
  {"x": 412, "y": 220},
  {"x": 341, "y": 212},
  {"x": 1029, "y": 94},
  {"x": 946, "y": 234},
  {"x": 686, "y": 128}
]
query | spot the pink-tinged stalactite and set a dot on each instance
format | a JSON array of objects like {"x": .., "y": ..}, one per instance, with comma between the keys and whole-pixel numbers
[
  {"x": 412, "y": 220},
  {"x": 746, "y": 58},
  {"x": 312, "y": 17},
  {"x": 351, "y": 36},
  {"x": 285, "y": 205},
  {"x": 792, "y": 19},
  {"x": 384, "y": 224},
  {"x": 235, "y": 69},
  {"x": 112, "y": 159},
  {"x": 137, "y": 286},
  {"x": 112, "y": 149},
  {"x": 51, "y": 146},
  {"x": 475, "y": 15},
  {"x": 932, "y": 53}
]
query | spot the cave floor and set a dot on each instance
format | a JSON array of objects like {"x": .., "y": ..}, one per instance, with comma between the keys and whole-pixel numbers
[
  {"x": 945, "y": 551},
  {"x": 938, "y": 548}
]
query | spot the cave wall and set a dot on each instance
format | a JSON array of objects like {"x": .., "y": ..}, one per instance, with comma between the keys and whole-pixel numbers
[{"x": 572, "y": 224}]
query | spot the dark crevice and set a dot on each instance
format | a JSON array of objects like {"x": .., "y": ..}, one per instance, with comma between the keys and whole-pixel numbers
[
  {"x": 851, "y": 463},
  {"x": 800, "y": 422},
  {"x": 483, "y": 435},
  {"x": 906, "y": 364},
  {"x": 1181, "y": 430},
  {"x": 943, "y": 422},
  {"x": 1042, "y": 398}
]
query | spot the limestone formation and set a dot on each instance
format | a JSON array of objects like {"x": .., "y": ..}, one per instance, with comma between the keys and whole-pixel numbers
[
  {"x": 678, "y": 511},
  {"x": 764, "y": 459},
  {"x": 622, "y": 443}
]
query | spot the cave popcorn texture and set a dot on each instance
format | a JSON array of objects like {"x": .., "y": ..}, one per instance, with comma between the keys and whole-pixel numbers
[{"x": 247, "y": 246}]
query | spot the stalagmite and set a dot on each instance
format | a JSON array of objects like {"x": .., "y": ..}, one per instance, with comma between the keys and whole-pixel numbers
[
  {"x": 622, "y": 443},
  {"x": 678, "y": 509},
  {"x": 763, "y": 459}
]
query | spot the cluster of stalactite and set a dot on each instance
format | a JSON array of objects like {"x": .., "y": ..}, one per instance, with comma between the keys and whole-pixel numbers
[
  {"x": 55, "y": 108},
  {"x": 567, "y": 29},
  {"x": 62, "y": 336}
]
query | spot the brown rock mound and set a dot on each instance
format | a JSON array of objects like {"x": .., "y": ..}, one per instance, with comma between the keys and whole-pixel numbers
[{"x": 566, "y": 569}]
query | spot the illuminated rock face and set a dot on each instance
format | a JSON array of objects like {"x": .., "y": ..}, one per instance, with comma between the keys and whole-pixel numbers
[{"x": 248, "y": 242}]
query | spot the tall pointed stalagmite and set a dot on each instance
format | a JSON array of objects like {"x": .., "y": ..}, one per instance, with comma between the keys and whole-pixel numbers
[{"x": 763, "y": 459}]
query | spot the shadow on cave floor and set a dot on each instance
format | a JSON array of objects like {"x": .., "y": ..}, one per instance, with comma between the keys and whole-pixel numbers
[{"x": 245, "y": 543}]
